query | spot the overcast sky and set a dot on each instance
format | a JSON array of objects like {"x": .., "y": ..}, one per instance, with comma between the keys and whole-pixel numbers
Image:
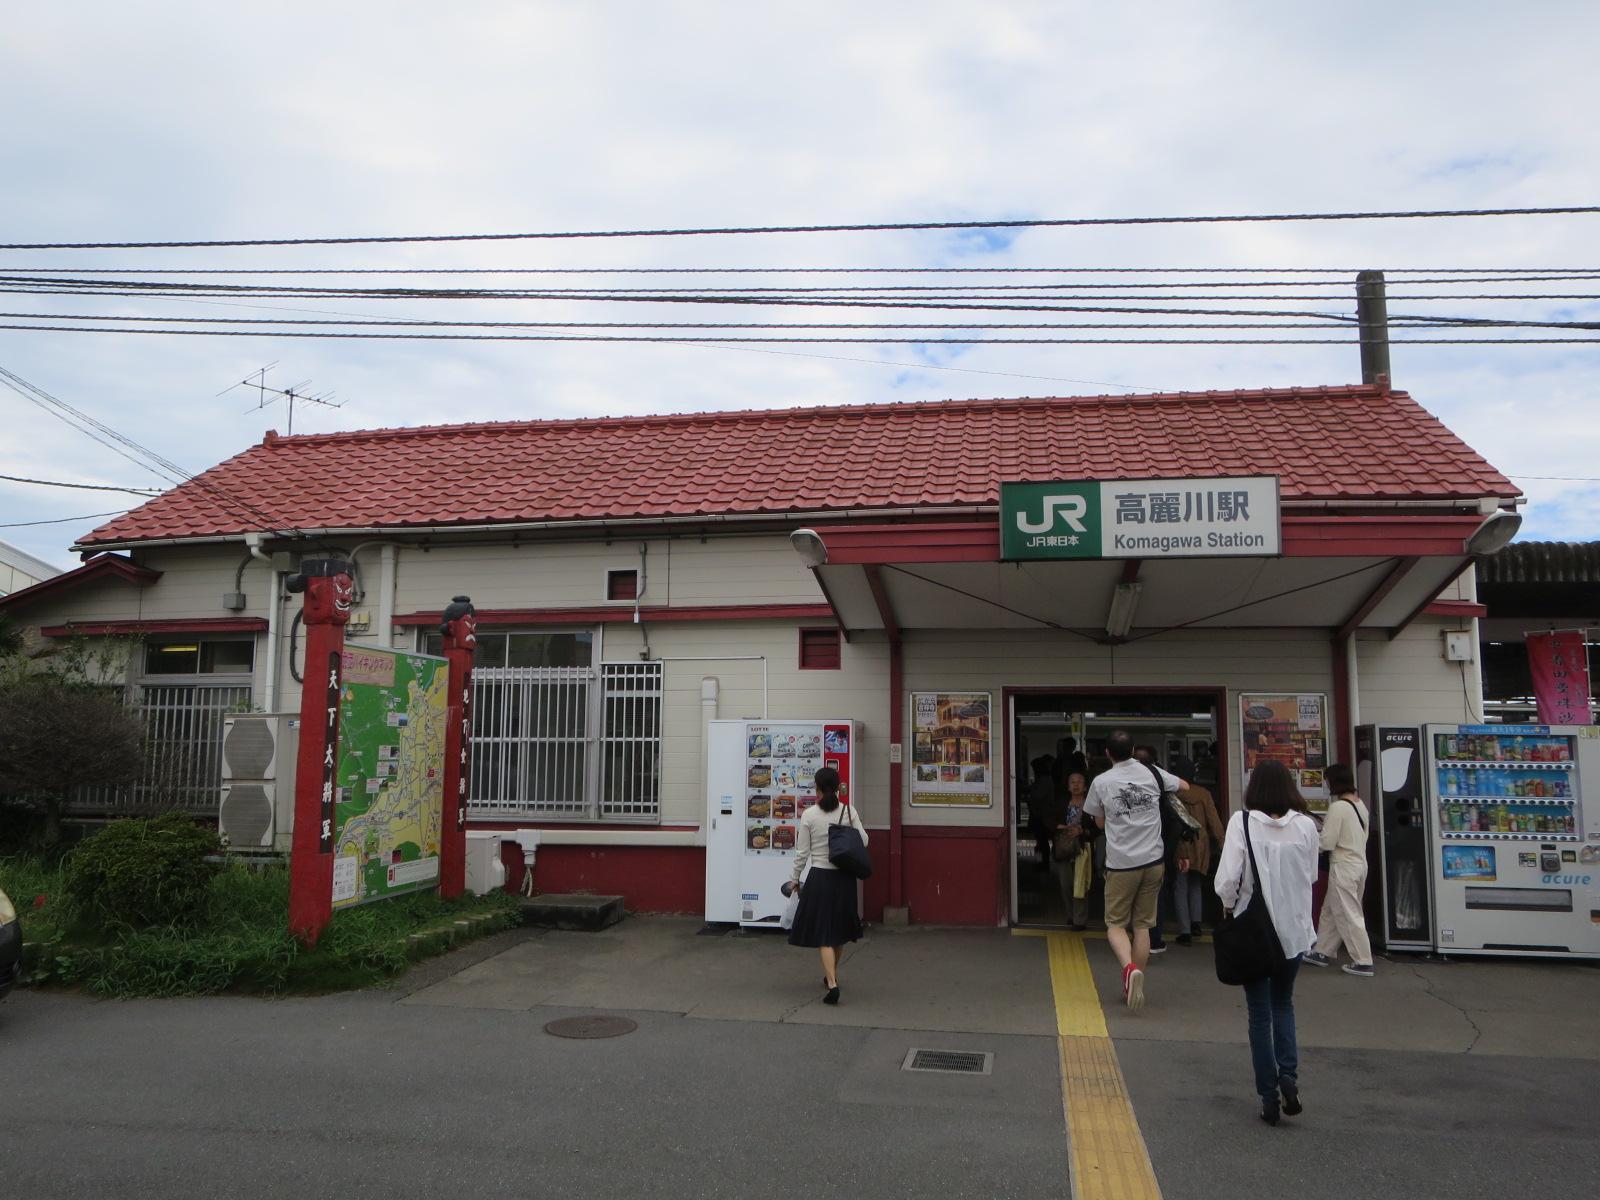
[{"x": 179, "y": 121}]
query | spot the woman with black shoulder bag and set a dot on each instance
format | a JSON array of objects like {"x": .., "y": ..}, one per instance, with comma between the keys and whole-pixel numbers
[
  {"x": 1344, "y": 840},
  {"x": 1264, "y": 880},
  {"x": 827, "y": 917}
]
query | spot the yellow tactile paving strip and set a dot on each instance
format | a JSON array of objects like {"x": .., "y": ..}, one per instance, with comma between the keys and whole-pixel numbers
[{"x": 1108, "y": 1154}]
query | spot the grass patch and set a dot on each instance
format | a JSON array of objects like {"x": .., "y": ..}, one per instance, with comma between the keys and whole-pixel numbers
[{"x": 241, "y": 942}]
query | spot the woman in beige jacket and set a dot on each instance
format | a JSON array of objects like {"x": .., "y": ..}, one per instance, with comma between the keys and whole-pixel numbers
[{"x": 1188, "y": 892}]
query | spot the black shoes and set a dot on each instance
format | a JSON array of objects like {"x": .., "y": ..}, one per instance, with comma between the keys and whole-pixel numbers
[
  {"x": 1269, "y": 1111},
  {"x": 832, "y": 997},
  {"x": 1184, "y": 939},
  {"x": 1291, "y": 1096}
]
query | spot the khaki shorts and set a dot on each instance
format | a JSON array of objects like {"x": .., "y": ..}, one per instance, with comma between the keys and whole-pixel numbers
[{"x": 1131, "y": 897}]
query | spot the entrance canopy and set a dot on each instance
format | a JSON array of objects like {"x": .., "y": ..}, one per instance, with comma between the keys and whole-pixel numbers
[{"x": 1339, "y": 573}]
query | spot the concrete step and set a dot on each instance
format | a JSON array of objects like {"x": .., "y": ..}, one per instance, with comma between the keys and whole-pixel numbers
[{"x": 579, "y": 912}]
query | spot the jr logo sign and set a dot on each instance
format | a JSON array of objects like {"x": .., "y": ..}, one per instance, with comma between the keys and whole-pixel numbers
[
  {"x": 1050, "y": 520},
  {"x": 1140, "y": 518}
]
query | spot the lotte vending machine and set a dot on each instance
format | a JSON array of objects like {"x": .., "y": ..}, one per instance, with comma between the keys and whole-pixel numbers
[
  {"x": 1516, "y": 846},
  {"x": 760, "y": 776}
]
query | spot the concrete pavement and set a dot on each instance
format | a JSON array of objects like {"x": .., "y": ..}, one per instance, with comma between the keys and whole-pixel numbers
[{"x": 1465, "y": 1079}]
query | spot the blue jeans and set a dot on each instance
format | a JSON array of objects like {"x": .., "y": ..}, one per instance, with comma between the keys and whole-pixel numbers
[{"x": 1272, "y": 1041}]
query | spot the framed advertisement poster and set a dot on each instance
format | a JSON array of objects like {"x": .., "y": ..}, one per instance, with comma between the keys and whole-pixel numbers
[
  {"x": 1291, "y": 728},
  {"x": 951, "y": 762}
]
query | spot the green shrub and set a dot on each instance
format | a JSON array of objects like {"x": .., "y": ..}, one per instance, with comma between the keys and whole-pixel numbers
[{"x": 143, "y": 873}]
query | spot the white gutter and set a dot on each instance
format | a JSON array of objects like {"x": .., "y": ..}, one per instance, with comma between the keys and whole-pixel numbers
[{"x": 269, "y": 695}]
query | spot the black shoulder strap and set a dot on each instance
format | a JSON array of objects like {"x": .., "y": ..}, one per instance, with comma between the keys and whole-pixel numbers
[
  {"x": 1161, "y": 788},
  {"x": 1357, "y": 811}
]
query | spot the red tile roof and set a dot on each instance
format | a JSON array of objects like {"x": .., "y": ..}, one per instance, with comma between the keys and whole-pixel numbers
[{"x": 1340, "y": 444}]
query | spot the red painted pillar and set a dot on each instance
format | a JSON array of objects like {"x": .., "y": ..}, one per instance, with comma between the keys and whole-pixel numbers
[
  {"x": 327, "y": 586},
  {"x": 460, "y": 644},
  {"x": 897, "y": 735}
]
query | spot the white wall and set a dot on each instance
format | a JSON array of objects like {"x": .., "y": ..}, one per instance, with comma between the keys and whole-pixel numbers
[
  {"x": 1409, "y": 682},
  {"x": 678, "y": 571},
  {"x": 857, "y": 691}
]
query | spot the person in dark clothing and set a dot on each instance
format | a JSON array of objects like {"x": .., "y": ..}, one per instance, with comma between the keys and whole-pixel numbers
[{"x": 1045, "y": 806}]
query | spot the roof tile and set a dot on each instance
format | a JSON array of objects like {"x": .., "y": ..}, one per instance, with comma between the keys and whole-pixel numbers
[{"x": 1340, "y": 442}]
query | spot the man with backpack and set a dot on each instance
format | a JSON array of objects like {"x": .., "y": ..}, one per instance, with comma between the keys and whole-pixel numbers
[{"x": 1128, "y": 802}]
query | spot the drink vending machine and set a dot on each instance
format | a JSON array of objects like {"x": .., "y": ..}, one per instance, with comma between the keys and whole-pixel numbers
[
  {"x": 1516, "y": 850},
  {"x": 760, "y": 776},
  {"x": 1389, "y": 775}
]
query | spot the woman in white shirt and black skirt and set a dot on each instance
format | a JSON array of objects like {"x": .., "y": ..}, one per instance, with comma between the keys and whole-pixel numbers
[
  {"x": 1285, "y": 843},
  {"x": 827, "y": 916}
]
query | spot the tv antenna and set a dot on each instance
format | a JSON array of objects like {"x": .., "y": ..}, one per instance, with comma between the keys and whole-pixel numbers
[{"x": 298, "y": 393}]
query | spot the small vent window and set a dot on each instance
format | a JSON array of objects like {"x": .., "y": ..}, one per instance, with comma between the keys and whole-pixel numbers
[
  {"x": 622, "y": 585},
  {"x": 819, "y": 649}
]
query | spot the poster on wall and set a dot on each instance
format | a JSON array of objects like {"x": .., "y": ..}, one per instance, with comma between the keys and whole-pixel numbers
[
  {"x": 1291, "y": 728},
  {"x": 951, "y": 764}
]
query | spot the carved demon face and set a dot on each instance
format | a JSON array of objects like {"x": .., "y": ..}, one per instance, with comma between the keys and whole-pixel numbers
[{"x": 329, "y": 599}]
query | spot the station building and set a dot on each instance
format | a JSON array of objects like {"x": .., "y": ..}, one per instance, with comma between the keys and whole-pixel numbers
[{"x": 975, "y": 582}]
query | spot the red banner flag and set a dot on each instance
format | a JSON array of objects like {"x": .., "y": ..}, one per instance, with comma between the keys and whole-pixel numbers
[{"x": 1560, "y": 666}]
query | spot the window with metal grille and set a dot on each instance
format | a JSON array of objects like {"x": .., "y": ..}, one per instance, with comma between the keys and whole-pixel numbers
[
  {"x": 579, "y": 741},
  {"x": 819, "y": 649},
  {"x": 622, "y": 585}
]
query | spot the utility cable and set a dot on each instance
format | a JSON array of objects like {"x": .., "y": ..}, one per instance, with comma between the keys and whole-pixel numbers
[
  {"x": 63, "y": 520},
  {"x": 915, "y": 341},
  {"x": 865, "y": 227},
  {"x": 88, "y": 487}
]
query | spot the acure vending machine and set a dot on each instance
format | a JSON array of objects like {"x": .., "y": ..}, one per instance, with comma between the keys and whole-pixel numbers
[
  {"x": 1516, "y": 849},
  {"x": 760, "y": 776}
]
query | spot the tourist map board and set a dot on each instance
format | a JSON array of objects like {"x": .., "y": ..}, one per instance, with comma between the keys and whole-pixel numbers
[{"x": 389, "y": 776}]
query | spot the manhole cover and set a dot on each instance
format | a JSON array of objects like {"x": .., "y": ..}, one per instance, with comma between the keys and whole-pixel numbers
[
  {"x": 591, "y": 1027},
  {"x": 950, "y": 1062}
]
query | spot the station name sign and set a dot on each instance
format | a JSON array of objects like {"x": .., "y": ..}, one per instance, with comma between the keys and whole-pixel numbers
[{"x": 1141, "y": 518}]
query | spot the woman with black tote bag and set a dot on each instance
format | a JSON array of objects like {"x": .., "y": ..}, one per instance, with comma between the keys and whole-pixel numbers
[
  {"x": 1269, "y": 863},
  {"x": 833, "y": 843}
]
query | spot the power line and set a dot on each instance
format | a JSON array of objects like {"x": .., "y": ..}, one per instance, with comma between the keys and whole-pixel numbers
[
  {"x": 104, "y": 434},
  {"x": 513, "y": 337},
  {"x": 875, "y": 227},
  {"x": 88, "y": 487},
  {"x": 1339, "y": 272},
  {"x": 63, "y": 520}
]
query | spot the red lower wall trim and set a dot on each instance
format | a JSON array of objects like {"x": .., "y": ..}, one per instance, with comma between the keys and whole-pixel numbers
[
  {"x": 955, "y": 875},
  {"x": 651, "y": 879}
]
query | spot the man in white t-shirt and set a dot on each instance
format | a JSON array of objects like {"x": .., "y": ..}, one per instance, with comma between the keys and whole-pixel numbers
[{"x": 1125, "y": 802}]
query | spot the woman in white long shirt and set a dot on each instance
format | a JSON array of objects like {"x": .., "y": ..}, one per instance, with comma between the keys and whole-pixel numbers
[
  {"x": 827, "y": 916},
  {"x": 1285, "y": 843}
]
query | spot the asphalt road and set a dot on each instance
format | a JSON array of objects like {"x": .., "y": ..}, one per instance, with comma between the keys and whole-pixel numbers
[
  {"x": 1429, "y": 1082},
  {"x": 357, "y": 1096}
]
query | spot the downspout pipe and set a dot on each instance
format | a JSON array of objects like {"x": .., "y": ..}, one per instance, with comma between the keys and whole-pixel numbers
[{"x": 269, "y": 692}]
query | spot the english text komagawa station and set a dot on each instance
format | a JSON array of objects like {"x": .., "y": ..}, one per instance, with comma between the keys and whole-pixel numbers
[{"x": 941, "y": 593}]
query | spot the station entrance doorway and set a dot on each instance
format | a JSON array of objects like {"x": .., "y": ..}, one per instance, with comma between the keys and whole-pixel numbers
[{"x": 1049, "y": 731}]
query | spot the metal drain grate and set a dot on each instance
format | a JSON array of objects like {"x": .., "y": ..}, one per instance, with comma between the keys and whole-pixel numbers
[
  {"x": 949, "y": 1062},
  {"x": 591, "y": 1027}
]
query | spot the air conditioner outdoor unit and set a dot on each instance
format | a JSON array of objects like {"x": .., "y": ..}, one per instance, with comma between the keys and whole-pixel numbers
[{"x": 258, "y": 763}]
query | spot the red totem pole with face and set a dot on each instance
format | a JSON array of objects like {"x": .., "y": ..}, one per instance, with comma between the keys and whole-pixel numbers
[
  {"x": 329, "y": 592},
  {"x": 460, "y": 636}
]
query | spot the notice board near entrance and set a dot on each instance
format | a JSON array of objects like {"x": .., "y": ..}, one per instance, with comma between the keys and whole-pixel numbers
[
  {"x": 952, "y": 764},
  {"x": 389, "y": 774},
  {"x": 1291, "y": 728}
]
